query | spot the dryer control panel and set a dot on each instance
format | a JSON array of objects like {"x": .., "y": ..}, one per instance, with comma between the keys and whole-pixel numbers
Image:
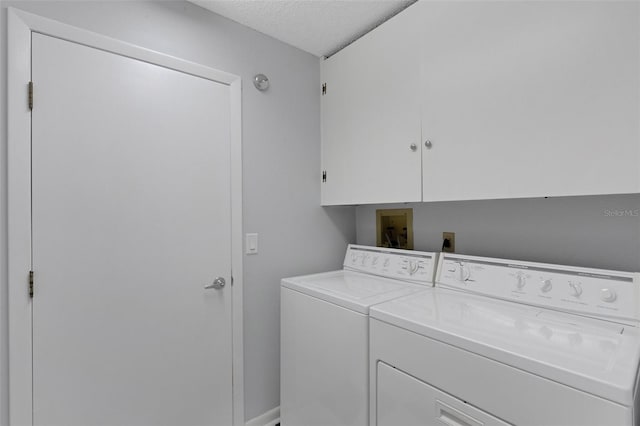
[
  {"x": 593, "y": 292},
  {"x": 405, "y": 265}
]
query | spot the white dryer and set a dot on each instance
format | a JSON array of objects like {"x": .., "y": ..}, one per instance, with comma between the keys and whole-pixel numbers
[
  {"x": 324, "y": 339},
  {"x": 509, "y": 342}
]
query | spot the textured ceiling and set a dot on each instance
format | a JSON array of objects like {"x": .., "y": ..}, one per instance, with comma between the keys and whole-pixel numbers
[{"x": 320, "y": 27}]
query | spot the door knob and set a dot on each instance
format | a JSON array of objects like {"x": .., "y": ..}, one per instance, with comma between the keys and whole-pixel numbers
[
  {"x": 413, "y": 147},
  {"x": 428, "y": 144},
  {"x": 218, "y": 283}
]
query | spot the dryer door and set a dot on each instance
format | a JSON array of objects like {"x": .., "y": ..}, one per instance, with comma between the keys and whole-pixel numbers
[{"x": 405, "y": 400}]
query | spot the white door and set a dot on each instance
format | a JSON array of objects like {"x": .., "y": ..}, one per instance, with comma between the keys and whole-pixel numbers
[{"x": 131, "y": 219}]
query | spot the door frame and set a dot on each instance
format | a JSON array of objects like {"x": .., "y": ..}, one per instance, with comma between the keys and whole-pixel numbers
[{"x": 21, "y": 25}]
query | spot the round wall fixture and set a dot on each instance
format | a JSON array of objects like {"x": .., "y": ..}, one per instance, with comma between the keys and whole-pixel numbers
[{"x": 261, "y": 82}]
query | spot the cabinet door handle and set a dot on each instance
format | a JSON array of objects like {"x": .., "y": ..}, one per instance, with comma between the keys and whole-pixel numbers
[
  {"x": 428, "y": 144},
  {"x": 413, "y": 147}
]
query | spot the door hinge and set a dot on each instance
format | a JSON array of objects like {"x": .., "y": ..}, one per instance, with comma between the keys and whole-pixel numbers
[
  {"x": 31, "y": 284},
  {"x": 324, "y": 89},
  {"x": 31, "y": 95},
  {"x": 324, "y": 176}
]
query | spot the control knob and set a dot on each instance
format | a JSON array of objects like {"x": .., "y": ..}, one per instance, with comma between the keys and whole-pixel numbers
[
  {"x": 608, "y": 295},
  {"x": 521, "y": 281},
  {"x": 576, "y": 289},
  {"x": 463, "y": 272},
  {"x": 412, "y": 267},
  {"x": 546, "y": 286}
]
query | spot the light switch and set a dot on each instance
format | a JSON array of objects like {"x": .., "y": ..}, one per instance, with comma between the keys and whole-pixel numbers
[{"x": 251, "y": 244}]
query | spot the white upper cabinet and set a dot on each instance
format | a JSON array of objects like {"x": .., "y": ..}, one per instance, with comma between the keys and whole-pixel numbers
[
  {"x": 371, "y": 141},
  {"x": 529, "y": 99},
  {"x": 502, "y": 99}
]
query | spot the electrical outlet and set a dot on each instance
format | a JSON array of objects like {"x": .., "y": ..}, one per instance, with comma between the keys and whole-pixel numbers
[{"x": 451, "y": 246}]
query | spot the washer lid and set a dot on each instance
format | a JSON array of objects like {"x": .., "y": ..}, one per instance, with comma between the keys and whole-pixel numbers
[
  {"x": 352, "y": 290},
  {"x": 598, "y": 357}
]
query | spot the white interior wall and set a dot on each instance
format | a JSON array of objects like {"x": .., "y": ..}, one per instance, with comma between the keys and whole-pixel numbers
[
  {"x": 281, "y": 191},
  {"x": 594, "y": 231},
  {"x": 281, "y": 158}
]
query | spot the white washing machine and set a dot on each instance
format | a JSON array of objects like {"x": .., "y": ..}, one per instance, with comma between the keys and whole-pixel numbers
[
  {"x": 500, "y": 342},
  {"x": 325, "y": 333}
]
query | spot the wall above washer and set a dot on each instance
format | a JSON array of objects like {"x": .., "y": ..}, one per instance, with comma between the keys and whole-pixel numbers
[{"x": 599, "y": 231}]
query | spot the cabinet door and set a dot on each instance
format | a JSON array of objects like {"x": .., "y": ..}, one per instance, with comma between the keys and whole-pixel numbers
[
  {"x": 529, "y": 99},
  {"x": 371, "y": 117}
]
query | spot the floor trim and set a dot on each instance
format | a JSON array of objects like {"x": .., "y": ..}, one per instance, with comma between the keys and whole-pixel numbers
[{"x": 270, "y": 418}]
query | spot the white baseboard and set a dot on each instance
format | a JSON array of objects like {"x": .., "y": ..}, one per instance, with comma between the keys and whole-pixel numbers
[{"x": 270, "y": 418}]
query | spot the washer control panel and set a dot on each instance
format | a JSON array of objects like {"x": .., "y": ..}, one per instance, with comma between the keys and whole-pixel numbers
[
  {"x": 593, "y": 292},
  {"x": 406, "y": 265}
]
